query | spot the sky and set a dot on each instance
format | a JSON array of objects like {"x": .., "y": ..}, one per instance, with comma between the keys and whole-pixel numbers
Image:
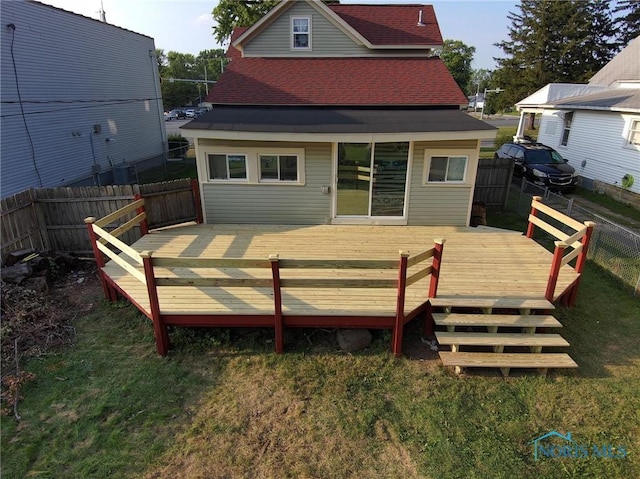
[{"x": 185, "y": 26}]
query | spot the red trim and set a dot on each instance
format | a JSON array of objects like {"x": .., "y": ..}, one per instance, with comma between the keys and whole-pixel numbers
[
  {"x": 159, "y": 328},
  {"x": 435, "y": 272},
  {"x": 534, "y": 212},
  {"x": 197, "y": 201},
  {"x": 218, "y": 321},
  {"x": 586, "y": 240},
  {"x": 398, "y": 327},
  {"x": 97, "y": 254},
  {"x": 126, "y": 295},
  {"x": 144, "y": 224},
  {"x": 277, "y": 299},
  {"x": 553, "y": 274}
]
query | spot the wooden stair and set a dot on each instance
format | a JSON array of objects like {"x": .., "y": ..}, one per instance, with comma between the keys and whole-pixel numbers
[{"x": 508, "y": 329}]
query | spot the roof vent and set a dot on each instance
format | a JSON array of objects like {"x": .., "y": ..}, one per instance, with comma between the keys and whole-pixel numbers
[{"x": 420, "y": 24}]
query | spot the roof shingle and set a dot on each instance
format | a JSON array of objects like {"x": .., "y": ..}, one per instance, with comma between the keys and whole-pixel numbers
[{"x": 337, "y": 81}]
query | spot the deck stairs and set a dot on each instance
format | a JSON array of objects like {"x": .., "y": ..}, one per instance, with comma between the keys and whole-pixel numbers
[{"x": 499, "y": 333}]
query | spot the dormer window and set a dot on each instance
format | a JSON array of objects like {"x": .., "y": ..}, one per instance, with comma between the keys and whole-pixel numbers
[{"x": 301, "y": 33}]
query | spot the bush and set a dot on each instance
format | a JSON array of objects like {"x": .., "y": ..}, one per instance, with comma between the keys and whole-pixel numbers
[{"x": 178, "y": 146}]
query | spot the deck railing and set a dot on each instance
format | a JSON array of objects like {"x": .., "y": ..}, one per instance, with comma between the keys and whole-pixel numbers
[
  {"x": 212, "y": 276},
  {"x": 567, "y": 247},
  {"x": 106, "y": 243}
]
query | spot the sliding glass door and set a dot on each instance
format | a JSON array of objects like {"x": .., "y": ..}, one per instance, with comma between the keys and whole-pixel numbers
[{"x": 371, "y": 179}]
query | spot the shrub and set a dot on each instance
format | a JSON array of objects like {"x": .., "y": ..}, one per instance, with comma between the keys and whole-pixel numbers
[{"x": 178, "y": 145}]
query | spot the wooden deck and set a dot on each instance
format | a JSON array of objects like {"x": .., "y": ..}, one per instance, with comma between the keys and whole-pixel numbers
[{"x": 476, "y": 263}]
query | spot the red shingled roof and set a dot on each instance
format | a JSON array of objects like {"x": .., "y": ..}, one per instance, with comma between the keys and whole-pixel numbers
[
  {"x": 337, "y": 81},
  {"x": 392, "y": 24}
]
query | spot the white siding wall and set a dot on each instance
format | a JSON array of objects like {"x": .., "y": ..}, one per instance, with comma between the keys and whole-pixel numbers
[
  {"x": 269, "y": 203},
  {"x": 441, "y": 204},
  {"x": 74, "y": 72},
  {"x": 599, "y": 139},
  {"x": 326, "y": 38}
]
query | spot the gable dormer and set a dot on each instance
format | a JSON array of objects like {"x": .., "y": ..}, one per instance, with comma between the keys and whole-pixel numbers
[{"x": 311, "y": 28}]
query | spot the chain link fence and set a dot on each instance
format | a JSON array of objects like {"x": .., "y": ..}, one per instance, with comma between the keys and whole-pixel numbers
[{"x": 614, "y": 247}]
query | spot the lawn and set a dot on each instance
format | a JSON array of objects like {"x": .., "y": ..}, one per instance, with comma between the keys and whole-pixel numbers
[{"x": 222, "y": 404}]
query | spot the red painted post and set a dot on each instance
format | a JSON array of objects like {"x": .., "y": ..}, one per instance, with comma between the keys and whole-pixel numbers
[
  {"x": 580, "y": 262},
  {"x": 436, "y": 266},
  {"x": 93, "y": 238},
  {"x": 159, "y": 328},
  {"x": 398, "y": 327},
  {"x": 555, "y": 270},
  {"x": 144, "y": 224},
  {"x": 277, "y": 299},
  {"x": 197, "y": 201},
  {"x": 534, "y": 212}
]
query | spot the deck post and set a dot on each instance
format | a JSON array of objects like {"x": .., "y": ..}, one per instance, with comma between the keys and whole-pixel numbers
[
  {"x": 277, "y": 299},
  {"x": 197, "y": 201},
  {"x": 159, "y": 328},
  {"x": 144, "y": 225},
  {"x": 398, "y": 327},
  {"x": 109, "y": 293},
  {"x": 436, "y": 265},
  {"x": 534, "y": 212},
  {"x": 581, "y": 261},
  {"x": 555, "y": 270}
]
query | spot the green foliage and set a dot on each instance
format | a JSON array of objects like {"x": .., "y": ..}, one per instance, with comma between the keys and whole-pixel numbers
[
  {"x": 480, "y": 79},
  {"x": 458, "y": 57},
  {"x": 229, "y": 14},
  {"x": 628, "y": 22},
  {"x": 178, "y": 145},
  {"x": 550, "y": 41}
]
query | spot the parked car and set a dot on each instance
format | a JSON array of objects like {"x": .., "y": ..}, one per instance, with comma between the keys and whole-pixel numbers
[
  {"x": 170, "y": 115},
  {"x": 177, "y": 114},
  {"x": 190, "y": 112},
  {"x": 540, "y": 164}
]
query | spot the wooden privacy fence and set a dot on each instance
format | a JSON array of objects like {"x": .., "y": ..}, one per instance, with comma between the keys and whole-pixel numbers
[
  {"x": 567, "y": 248},
  {"x": 53, "y": 218},
  {"x": 493, "y": 181}
]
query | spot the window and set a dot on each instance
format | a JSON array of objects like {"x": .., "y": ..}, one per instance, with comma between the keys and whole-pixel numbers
[
  {"x": 447, "y": 169},
  {"x": 278, "y": 168},
  {"x": 301, "y": 33},
  {"x": 568, "y": 118},
  {"x": 634, "y": 133},
  {"x": 227, "y": 167}
]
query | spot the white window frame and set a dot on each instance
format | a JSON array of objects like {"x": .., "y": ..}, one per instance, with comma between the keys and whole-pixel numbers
[
  {"x": 252, "y": 159},
  {"x": 430, "y": 154},
  {"x": 228, "y": 179},
  {"x": 567, "y": 123},
  {"x": 278, "y": 180},
  {"x": 293, "y": 34},
  {"x": 630, "y": 133}
]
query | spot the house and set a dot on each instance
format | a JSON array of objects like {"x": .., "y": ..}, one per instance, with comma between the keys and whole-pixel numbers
[
  {"x": 81, "y": 100},
  {"x": 596, "y": 126},
  {"x": 338, "y": 114}
]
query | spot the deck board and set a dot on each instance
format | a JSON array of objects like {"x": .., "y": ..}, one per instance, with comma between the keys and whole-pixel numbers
[{"x": 475, "y": 263}]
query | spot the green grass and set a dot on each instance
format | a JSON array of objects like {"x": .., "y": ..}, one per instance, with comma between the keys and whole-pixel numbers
[
  {"x": 611, "y": 204},
  {"x": 223, "y": 405}
]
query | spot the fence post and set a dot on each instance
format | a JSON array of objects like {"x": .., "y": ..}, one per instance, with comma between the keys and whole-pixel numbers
[
  {"x": 144, "y": 225},
  {"x": 159, "y": 328},
  {"x": 398, "y": 328},
  {"x": 197, "y": 201},
  {"x": 581, "y": 261},
  {"x": 555, "y": 270},
  {"x": 436, "y": 265},
  {"x": 534, "y": 212},
  {"x": 277, "y": 299},
  {"x": 109, "y": 293},
  {"x": 570, "y": 207}
]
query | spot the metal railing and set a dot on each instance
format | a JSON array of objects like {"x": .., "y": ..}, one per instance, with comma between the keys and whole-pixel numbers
[{"x": 614, "y": 247}]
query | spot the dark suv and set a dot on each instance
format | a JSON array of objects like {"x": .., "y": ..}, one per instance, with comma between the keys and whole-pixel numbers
[{"x": 540, "y": 164}]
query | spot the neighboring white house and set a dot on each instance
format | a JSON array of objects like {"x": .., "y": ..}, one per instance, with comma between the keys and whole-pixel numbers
[
  {"x": 596, "y": 126},
  {"x": 80, "y": 100}
]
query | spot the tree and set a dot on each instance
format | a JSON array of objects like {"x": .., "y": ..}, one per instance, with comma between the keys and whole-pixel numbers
[
  {"x": 552, "y": 41},
  {"x": 229, "y": 14},
  {"x": 458, "y": 57},
  {"x": 628, "y": 23},
  {"x": 480, "y": 79}
]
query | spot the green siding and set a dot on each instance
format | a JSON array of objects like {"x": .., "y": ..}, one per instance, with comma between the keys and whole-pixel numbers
[
  {"x": 437, "y": 205},
  {"x": 274, "y": 204},
  {"x": 326, "y": 38}
]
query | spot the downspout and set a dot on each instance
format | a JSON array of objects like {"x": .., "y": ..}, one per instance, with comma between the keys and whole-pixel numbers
[{"x": 156, "y": 83}]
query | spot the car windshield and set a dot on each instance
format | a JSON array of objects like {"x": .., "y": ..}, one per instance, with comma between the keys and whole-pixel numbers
[{"x": 543, "y": 157}]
